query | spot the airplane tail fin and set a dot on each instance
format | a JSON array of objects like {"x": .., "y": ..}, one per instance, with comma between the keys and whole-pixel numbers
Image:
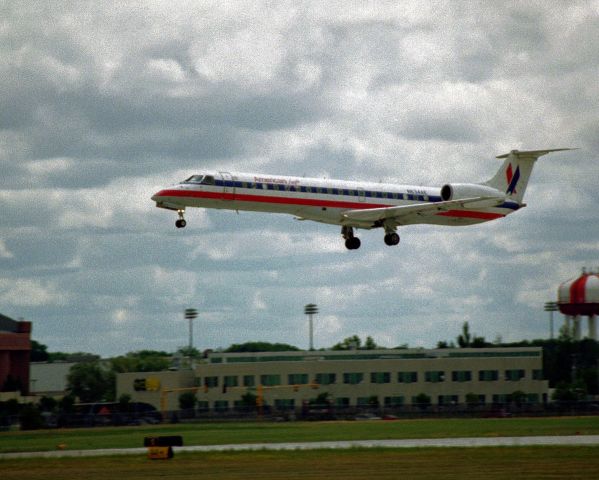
[{"x": 512, "y": 177}]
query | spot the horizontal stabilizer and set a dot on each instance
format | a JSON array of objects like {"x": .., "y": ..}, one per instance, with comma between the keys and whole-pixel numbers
[{"x": 533, "y": 153}]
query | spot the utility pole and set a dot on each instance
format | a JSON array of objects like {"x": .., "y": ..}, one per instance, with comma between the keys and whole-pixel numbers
[{"x": 310, "y": 310}]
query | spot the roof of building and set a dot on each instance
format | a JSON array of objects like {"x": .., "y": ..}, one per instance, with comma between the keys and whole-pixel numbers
[
  {"x": 388, "y": 354},
  {"x": 7, "y": 324}
]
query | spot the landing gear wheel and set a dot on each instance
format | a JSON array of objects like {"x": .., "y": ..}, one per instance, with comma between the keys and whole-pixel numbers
[
  {"x": 392, "y": 239},
  {"x": 352, "y": 243},
  {"x": 180, "y": 223}
]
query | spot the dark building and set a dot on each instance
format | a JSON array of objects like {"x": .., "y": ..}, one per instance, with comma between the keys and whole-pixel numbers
[{"x": 15, "y": 352}]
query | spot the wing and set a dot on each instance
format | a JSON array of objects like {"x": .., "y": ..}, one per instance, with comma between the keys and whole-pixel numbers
[{"x": 396, "y": 214}]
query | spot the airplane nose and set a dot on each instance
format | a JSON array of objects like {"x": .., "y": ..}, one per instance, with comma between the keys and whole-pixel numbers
[{"x": 157, "y": 195}]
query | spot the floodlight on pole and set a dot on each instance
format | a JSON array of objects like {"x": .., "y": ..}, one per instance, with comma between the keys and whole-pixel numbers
[
  {"x": 190, "y": 314},
  {"x": 310, "y": 310}
]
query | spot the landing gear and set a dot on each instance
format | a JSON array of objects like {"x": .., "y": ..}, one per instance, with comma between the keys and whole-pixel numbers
[
  {"x": 351, "y": 242},
  {"x": 391, "y": 239},
  {"x": 391, "y": 236},
  {"x": 181, "y": 222}
]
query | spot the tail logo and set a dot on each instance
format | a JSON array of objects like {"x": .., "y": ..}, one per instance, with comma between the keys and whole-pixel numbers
[{"x": 512, "y": 179}]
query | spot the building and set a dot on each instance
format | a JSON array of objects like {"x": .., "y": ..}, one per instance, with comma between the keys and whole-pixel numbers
[
  {"x": 390, "y": 378},
  {"x": 15, "y": 352},
  {"x": 49, "y": 379}
]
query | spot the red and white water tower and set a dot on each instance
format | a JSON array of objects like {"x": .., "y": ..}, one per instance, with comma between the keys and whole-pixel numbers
[{"x": 577, "y": 298}]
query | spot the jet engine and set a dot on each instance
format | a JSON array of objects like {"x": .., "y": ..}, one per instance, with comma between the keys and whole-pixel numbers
[{"x": 459, "y": 191}]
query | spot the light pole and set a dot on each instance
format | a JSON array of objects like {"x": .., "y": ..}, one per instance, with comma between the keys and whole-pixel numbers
[
  {"x": 551, "y": 307},
  {"x": 310, "y": 310},
  {"x": 190, "y": 314}
]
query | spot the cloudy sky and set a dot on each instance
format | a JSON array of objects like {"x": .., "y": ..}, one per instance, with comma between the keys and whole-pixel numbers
[{"x": 104, "y": 103}]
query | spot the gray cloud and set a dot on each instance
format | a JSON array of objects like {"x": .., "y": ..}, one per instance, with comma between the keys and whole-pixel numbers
[{"x": 102, "y": 104}]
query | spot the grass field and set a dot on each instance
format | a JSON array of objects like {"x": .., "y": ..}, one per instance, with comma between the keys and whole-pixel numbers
[
  {"x": 446, "y": 463},
  {"x": 260, "y": 432}
]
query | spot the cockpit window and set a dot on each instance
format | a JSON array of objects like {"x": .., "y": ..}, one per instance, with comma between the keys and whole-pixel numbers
[
  {"x": 201, "y": 179},
  {"x": 195, "y": 179}
]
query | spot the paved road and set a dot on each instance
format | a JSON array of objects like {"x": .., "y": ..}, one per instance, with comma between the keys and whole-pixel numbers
[{"x": 409, "y": 443}]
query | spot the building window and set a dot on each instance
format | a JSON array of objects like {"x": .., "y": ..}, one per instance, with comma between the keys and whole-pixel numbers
[
  {"x": 372, "y": 401},
  {"x": 461, "y": 376},
  {"x": 353, "y": 378},
  {"x": 380, "y": 377},
  {"x": 249, "y": 381},
  {"x": 488, "y": 375},
  {"x": 297, "y": 379},
  {"x": 434, "y": 376},
  {"x": 514, "y": 375},
  {"x": 211, "y": 382},
  {"x": 270, "y": 380},
  {"x": 284, "y": 403},
  {"x": 394, "y": 401},
  {"x": 203, "y": 406},
  {"x": 342, "y": 402},
  {"x": 532, "y": 397},
  {"x": 231, "y": 381},
  {"x": 221, "y": 405},
  {"x": 326, "y": 378},
  {"x": 447, "y": 400},
  {"x": 537, "y": 375},
  {"x": 407, "y": 377}
]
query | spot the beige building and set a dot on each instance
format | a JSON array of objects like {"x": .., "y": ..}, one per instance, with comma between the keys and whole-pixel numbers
[{"x": 351, "y": 378}]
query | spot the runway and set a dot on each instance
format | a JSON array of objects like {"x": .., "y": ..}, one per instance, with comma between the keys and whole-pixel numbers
[{"x": 571, "y": 440}]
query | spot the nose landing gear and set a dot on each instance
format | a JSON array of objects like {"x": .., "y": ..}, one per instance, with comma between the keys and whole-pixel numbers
[{"x": 181, "y": 222}]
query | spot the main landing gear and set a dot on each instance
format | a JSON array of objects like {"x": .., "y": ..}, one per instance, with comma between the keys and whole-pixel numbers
[
  {"x": 351, "y": 242},
  {"x": 181, "y": 222}
]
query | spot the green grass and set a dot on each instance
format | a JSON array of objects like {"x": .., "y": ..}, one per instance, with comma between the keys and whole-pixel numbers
[
  {"x": 573, "y": 463},
  {"x": 259, "y": 432}
]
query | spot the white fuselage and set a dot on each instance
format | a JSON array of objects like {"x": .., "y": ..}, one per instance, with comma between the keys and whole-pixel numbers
[{"x": 321, "y": 200}]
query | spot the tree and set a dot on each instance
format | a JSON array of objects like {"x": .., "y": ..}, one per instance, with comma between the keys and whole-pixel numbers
[
  {"x": 91, "y": 383},
  {"x": 249, "y": 400},
  {"x": 466, "y": 340},
  {"x": 472, "y": 400},
  {"x": 349, "y": 343},
  {"x": 423, "y": 401},
  {"x": 370, "y": 344},
  {"x": 187, "y": 400},
  {"x": 518, "y": 397},
  {"x": 39, "y": 352},
  {"x": 190, "y": 352},
  {"x": 261, "y": 347},
  {"x": 48, "y": 404},
  {"x": 142, "y": 361},
  {"x": 321, "y": 400},
  {"x": 73, "y": 357}
]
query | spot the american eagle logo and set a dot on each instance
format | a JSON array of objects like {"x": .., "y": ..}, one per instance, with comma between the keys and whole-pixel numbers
[{"x": 512, "y": 179}]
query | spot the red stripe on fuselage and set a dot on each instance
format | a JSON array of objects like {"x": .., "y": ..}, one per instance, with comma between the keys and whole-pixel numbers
[
  {"x": 313, "y": 202},
  {"x": 310, "y": 202}
]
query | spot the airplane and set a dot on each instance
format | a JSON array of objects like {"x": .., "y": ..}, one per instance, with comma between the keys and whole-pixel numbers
[{"x": 358, "y": 205}]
